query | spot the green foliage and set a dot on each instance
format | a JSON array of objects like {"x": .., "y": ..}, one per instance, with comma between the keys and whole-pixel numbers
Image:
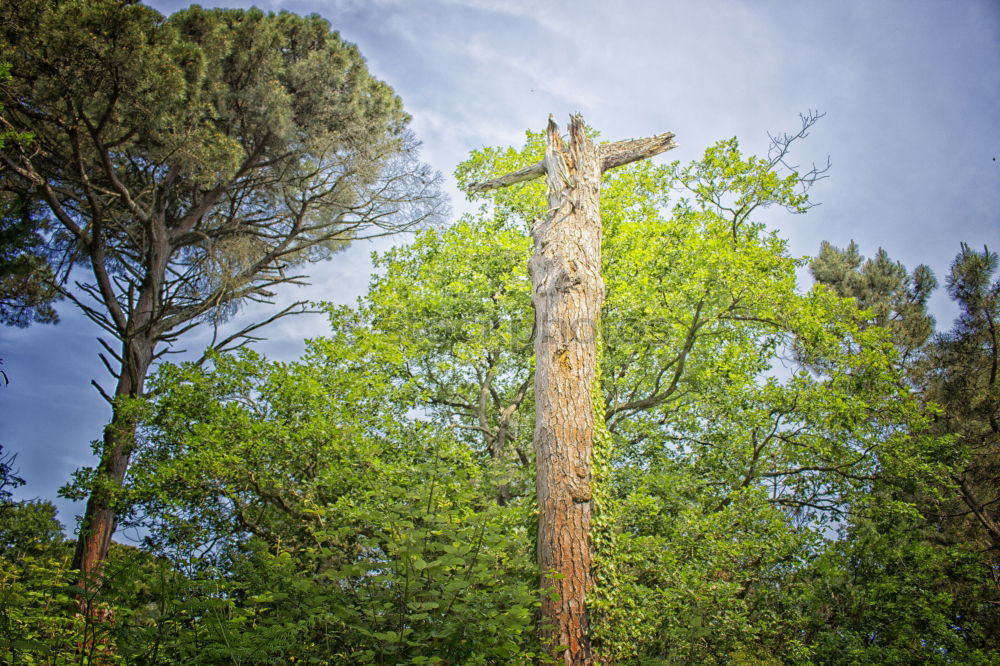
[
  {"x": 765, "y": 469},
  {"x": 950, "y": 515},
  {"x": 960, "y": 375},
  {"x": 8, "y": 135},
  {"x": 37, "y": 623},
  {"x": 26, "y": 277},
  {"x": 336, "y": 550},
  {"x": 883, "y": 594},
  {"x": 28, "y": 528},
  {"x": 893, "y": 298}
]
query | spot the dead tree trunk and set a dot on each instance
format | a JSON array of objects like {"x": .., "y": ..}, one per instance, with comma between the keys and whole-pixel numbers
[{"x": 568, "y": 293}]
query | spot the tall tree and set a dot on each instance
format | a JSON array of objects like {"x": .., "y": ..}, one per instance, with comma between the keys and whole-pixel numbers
[
  {"x": 700, "y": 298},
  {"x": 192, "y": 164},
  {"x": 963, "y": 376},
  {"x": 954, "y": 372},
  {"x": 568, "y": 292},
  {"x": 895, "y": 299}
]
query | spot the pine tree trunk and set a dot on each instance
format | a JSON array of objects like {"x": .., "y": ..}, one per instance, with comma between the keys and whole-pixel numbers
[
  {"x": 568, "y": 292},
  {"x": 99, "y": 518},
  {"x": 136, "y": 330}
]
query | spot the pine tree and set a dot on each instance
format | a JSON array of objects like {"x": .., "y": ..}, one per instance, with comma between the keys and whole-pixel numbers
[{"x": 191, "y": 164}]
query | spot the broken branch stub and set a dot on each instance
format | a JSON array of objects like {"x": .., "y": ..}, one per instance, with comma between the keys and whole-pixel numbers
[{"x": 611, "y": 155}]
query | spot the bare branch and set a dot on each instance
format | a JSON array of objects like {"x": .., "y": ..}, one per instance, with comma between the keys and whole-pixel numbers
[
  {"x": 611, "y": 155},
  {"x": 620, "y": 153},
  {"x": 781, "y": 145},
  {"x": 101, "y": 390},
  {"x": 244, "y": 334},
  {"x": 114, "y": 373}
]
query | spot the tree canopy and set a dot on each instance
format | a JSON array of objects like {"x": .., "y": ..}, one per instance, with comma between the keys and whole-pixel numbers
[
  {"x": 186, "y": 165},
  {"x": 227, "y": 146},
  {"x": 764, "y": 484}
]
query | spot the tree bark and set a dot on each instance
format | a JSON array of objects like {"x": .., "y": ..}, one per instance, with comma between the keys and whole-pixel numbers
[
  {"x": 568, "y": 292},
  {"x": 139, "y": 338},
  {"x": 99, "y": 518}
]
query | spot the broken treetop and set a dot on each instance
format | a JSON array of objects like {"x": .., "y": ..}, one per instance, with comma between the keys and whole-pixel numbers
[{"x": 612, "y": 155}]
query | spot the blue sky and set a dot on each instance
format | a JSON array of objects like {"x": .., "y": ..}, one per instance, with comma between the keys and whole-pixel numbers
[{"x": 911, "y": 89}]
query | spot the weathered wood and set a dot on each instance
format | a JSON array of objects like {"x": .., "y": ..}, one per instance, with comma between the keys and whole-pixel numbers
[
  {"x": 612, "y": 155},
  {"x": 527, "y": 173},
  {"x": 568, "y": 292},
  {"x": 620, "y": 153}
]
